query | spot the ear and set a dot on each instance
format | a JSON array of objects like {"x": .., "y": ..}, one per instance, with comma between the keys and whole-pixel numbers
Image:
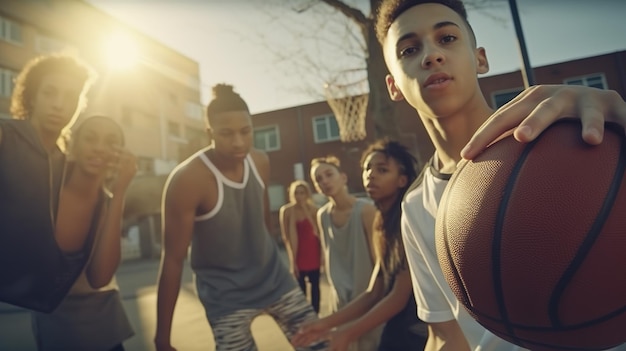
[
  {"x": 394, "y": 93},
  {"x": 402, "y": 181},
  {"x": 482, "y": 64},
  {"x": 344, "y": 178}
]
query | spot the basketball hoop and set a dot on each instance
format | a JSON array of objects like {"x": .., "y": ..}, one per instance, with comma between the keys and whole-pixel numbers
[{"x": 347, "y": 96}]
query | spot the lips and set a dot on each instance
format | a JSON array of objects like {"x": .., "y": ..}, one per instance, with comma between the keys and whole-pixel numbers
[{"x": 436, "y": 79}]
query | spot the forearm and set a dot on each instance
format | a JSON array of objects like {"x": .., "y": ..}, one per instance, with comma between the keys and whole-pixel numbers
[
  {"x": 107, "y": 253},
  {"x": 371, "y": 318},
  {"x": 167, "y": 295},
  {"x": 446, "y": 336},
  {"x": 293, "y": 248},
  {"x": 353, "y": 310}
]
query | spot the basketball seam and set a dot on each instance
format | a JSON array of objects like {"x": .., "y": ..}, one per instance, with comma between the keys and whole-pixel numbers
[
  {"x": 455, "y": 271},
  {"x": 590, "y": 238},
  {"x": 497, "y": 239}
]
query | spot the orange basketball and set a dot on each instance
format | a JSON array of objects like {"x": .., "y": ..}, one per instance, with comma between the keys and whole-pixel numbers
[{"x": 532, "y": 239}]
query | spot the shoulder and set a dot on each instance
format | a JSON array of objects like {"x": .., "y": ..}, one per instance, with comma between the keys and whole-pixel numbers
[
  {"x": 324, "y": 209},
  {"x": 286, "y": 208},
  {"x": 259, "y": 157},
  {"x": 413, "y": 195},
  {"x": 261, "y": 162},
  {"x": 367, "y": 208},
  {"x": 187, "y": 176}
]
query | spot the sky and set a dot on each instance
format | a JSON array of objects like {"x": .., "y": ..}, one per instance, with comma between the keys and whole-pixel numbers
[{"x": 260, "y": 46}]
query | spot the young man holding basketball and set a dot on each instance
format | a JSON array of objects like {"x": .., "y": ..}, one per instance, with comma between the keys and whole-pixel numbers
[{"x": 433, "y": 60}]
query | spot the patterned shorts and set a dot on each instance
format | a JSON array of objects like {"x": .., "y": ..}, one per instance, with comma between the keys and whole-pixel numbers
[{"x": 232, "y": 332}]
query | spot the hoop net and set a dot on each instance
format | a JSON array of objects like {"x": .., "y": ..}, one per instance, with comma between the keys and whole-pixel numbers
[{"x": 348, "y": 97}]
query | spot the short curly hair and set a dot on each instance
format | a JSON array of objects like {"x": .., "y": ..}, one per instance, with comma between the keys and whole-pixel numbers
[
  {"x": 29, "y": 79},
  {"x": 390, "y": 10}
]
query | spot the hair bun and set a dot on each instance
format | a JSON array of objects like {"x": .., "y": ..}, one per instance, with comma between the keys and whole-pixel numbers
[{"x": 221, "y": 90}]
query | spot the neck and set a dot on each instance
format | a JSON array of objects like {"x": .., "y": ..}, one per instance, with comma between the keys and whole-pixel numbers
[
  {"x": 451, "y": 133},
  {"x": 224, "y": 163},
  {"x": 384, "y": 205},
  {"x": 342, "y": 200},
  {"x": 48, "y": 139}
]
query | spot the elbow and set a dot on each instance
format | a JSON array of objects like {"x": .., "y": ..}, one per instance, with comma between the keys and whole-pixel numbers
[
  {"x": 97, "y": 281},
  {"x": 99, "y": 278}
]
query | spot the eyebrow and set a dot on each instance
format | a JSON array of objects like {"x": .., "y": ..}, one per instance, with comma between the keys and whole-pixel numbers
[{"x": 437, "y": 26}]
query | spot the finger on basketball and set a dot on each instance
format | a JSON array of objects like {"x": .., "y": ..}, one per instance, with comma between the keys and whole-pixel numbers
[{"x": 593, "y": 125}]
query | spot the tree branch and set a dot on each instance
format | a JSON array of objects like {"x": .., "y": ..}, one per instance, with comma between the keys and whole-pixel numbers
[{"x": 352, "y": 13}]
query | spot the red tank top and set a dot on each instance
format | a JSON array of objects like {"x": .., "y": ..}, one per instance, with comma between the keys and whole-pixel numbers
[{"x": 308, "y": 257}]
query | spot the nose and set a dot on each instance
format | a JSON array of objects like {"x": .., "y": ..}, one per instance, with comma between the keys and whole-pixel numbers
[
  {"x": 238, "y": 141},
  {"x": 58, "y": 101},
  {"x": 432, "y": 56}
]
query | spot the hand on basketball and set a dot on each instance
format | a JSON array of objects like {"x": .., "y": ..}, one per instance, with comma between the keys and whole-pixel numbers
[
  {"x": 539, "y": 106},
  {"x": 310, "y": 333}
]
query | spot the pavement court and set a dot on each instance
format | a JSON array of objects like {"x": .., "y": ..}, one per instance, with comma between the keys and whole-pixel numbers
[{"x": 137, "y": 281}]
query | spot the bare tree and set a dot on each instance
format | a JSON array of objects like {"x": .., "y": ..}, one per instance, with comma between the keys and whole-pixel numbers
[{"x": 339, "y": 36}]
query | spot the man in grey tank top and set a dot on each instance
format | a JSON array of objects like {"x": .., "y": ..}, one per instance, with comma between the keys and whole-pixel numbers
[{"x": 214, "y": 202}]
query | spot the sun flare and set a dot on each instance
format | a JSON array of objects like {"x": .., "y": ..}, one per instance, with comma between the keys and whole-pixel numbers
[{"x": 121, "y": 51}]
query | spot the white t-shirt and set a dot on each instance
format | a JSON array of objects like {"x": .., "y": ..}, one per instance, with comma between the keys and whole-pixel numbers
[{"x": 435, "y": 300}]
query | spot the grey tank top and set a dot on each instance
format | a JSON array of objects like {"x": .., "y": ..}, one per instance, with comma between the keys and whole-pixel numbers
[
  {"x": 235, "y": 261},
  {"x": 349, "y": 265}
]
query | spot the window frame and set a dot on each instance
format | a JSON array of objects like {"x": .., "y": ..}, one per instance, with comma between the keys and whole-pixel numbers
[
  {"x": 269, "y": 128},
  {"x": 7, "y": 82},
  {"x": 7, "y": 31},
  {"x": 327, "y": 121},
  {"x": 585, "y": 80},
  {"x": 494, "y": 95}
]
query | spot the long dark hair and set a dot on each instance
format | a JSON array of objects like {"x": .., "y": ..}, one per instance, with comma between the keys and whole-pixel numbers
[{"x": 388, "y": 239}]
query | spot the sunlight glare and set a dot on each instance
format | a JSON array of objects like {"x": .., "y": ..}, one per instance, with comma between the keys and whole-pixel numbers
[{"x": 121, "y": 51}]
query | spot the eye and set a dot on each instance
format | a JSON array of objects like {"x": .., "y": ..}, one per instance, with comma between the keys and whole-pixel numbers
[
  {"x": 448, "y": 38},
  {"x": 113, "y": 141},
  {"x": 408, "y": 51}
]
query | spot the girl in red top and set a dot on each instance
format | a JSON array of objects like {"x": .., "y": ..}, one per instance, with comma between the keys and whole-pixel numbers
[{"x": 299, "y": 231}]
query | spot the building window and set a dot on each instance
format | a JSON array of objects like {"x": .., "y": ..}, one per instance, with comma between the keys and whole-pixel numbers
[
  {"x": 173, "y": 129},
  {"x": 267, "y": 138},
  {"x": 499, "y": 98},
  {"x": 10, "y": 31},
  {"x": 193, "y": 110},
  {"x": 596, "y": 80},
  {"x": 325, "y": 128},
  {"x": 195, "y": 134},
  {"x": 276, "y": 194},
  {"x": 145, "y": 165},
  {"x": 46, "y": 45},
  {"x": 7, "y": 78}
]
